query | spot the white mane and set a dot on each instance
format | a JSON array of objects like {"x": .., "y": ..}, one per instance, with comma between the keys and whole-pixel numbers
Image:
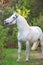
[{"x": 22, "y": 23}]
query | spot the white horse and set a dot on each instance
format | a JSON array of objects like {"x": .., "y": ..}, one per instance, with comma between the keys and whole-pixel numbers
[{"x": 26, "y": 33}]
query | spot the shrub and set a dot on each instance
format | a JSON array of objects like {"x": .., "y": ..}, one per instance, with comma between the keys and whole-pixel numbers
[{"x": 3, "y": 33}]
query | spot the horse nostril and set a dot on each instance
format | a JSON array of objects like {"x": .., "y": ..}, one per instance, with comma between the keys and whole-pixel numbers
[{"x": 6, "y": 23}]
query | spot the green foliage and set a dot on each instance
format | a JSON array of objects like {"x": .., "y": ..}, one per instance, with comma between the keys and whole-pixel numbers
[
  {"x": 14, "y": 34},
  {"x": 37, "y": 21},
  {"x": 24, "y": 12},
  {"x": 27, "y": 10},
  {"x": 3, "y": 34},
  {"x": 7, "y": 12}
]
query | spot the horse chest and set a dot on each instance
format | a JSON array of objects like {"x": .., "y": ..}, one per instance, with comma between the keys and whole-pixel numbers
[{"x": 22, "y": 36}]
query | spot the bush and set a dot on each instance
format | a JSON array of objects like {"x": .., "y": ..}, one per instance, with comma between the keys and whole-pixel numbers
[
  {"x": 3, "y": 34},
  {"x": 24, "y": 10},
  {"x": 12, "y": 33}
]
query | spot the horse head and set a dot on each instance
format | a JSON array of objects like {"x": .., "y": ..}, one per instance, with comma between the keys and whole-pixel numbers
[{"x": 11, "y": 20}]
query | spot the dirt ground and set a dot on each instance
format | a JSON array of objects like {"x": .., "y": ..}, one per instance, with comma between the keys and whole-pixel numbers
[{"x": 37, "y": 55}]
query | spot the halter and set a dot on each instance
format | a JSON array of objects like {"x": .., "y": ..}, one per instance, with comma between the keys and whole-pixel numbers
[{"x": 15, "y": 18}]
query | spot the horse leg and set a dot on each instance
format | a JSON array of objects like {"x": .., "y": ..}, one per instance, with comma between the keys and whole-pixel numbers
[
  {"x": 27, "y": 50},
  {"x": 42, "y": 49},
  {"x": 19, "y": 50},
  {"x": 41, "y": 41}
]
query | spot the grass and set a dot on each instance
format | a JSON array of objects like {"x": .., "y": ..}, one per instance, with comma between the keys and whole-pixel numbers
[{"x": 11, "y": 57}]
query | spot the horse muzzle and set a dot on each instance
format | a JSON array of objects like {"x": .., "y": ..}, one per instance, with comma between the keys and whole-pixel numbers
[{"x": 6, "y": 24}]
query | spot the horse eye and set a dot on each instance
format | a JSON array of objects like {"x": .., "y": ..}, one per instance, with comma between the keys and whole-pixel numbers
[{"x": 14, "y": 17}]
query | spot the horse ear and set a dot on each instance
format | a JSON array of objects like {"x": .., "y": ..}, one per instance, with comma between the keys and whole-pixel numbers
[{"x": 16, "y": 15}]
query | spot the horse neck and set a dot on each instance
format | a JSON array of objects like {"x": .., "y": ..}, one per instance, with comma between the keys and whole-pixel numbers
[{"x": 22, "y": 24}]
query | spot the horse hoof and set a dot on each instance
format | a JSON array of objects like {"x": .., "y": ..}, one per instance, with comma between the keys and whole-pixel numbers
[
  {"x": 18, "y": 60},
  {"x": 26, "y": 60}
]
